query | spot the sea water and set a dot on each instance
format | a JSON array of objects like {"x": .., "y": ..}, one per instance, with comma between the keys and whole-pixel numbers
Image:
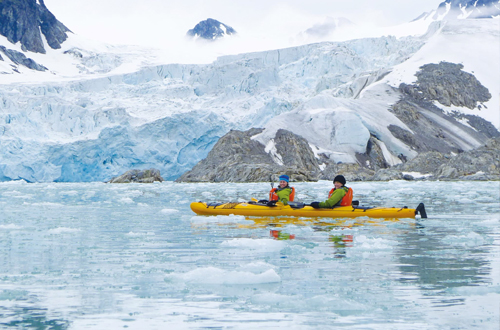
[{"x": 134, "y": 256}]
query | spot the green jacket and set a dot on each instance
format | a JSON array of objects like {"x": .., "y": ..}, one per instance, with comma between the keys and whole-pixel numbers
[
  {"x": 284, "y": 194},
  {"x": 335, "y": 199}
]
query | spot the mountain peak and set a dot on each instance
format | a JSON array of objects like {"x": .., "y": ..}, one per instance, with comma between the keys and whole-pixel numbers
[
  {"x": 460, "y": 9},
  {"x": 22, "y": 21},
  {"x": 211, "y": 29}
]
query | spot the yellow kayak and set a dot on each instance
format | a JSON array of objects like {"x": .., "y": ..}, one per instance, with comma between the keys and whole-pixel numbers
[{"x": 301, "y": 210}]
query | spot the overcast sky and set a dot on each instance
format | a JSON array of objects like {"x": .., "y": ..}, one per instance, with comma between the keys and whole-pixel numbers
[{"x": 147, "y": 21}]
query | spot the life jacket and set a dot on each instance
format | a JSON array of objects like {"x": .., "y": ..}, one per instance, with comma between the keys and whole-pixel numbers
[
  {"x": 274, "y": 197},
  {"x": 347, "y": 199}
]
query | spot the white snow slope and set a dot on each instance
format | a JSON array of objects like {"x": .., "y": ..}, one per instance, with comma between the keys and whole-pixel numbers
[{"x": 100, "y": 110}]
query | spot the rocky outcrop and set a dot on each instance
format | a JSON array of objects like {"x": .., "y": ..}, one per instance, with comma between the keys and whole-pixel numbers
[
  {"x": 21, "y": 59},
  {"x": 138, "y": 176},
  {"x": 238, "y": 158},
  {"x": 210, "y": 29},
  {"x": 482, "y": 163},
  {"x": 25, "y": 21},
  {"x": 449, "y": 85},
  {"x": 431, "y": 128}
]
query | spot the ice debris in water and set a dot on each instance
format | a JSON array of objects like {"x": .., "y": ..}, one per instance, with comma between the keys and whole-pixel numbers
[{"x": 212, "y": 275}]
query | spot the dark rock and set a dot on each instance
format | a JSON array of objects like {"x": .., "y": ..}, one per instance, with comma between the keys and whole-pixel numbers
[
  {"x": 138, "y": 176},
  {"x": 238, "y": 158},
  {"x": 373, "y": 158},
  {"x": 211, "y": 29},
  {"x": 408, "y": 177},
  {"x": 448, "y": 84},
  {"x": 431, "y": 128},
  {"x": 20, "y": 58},
  {"x": 22, "y": 21},
  {"x": 352, "y": 172},
  {"x": 481, "y": 163}
]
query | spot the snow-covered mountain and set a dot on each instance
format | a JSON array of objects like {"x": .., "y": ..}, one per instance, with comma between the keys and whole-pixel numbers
[
  {"x": 211, "y": 29},
  {"x": 99, "y": 110}
]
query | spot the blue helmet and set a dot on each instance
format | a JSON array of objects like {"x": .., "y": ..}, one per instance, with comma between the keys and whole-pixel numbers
[{"x": 285, "y": 177}]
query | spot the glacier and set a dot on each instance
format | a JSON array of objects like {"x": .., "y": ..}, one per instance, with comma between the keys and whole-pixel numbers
[{"x": 114, "y": 117}]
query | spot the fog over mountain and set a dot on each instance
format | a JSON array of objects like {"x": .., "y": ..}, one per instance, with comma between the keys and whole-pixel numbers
[{"x": 88, "y": 111}]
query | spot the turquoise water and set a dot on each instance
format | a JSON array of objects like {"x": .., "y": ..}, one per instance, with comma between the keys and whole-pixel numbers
[{"x": 134, "y": 256}]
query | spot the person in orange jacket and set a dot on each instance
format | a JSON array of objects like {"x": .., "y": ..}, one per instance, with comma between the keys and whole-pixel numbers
[
  {"x": 339, "y": 196},
  {"x": 284, "y": 193}
]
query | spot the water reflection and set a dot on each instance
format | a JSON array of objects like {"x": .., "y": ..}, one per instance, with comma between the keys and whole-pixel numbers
[
  {"x": 340, "y": 243},
  {"x": 31, "y": 318},
  {"x": 279, "y": 235},
  {"x": 425, "y": 259}
]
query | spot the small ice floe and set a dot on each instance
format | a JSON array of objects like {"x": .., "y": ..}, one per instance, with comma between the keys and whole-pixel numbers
[
  {"x": 471, "y": 239},
  {"x": 169, "y": 211},
  {"x": 127, "y": 200},
  {"x": 207, "y": 194},
  {"x": 416, "y": 175},
  {"x": 212, "y": 275},
  {"x": 13, "y": 182},
  {"x": 134, "y": 234},
  {"x": 373, "y": 244},
  {"x": 491, "y": 221},
  {"x": 134, "y": 193},
  {"x": 49, "y": 204},
  {"x": 256, "y": 267},
  {"x": 218, "y": 219},
  {"x": 62, "y": 230},
  {"x": 268, "y": 245},
  {"x": 10, "y": 226},
  {"x": 69, "y": 193}
]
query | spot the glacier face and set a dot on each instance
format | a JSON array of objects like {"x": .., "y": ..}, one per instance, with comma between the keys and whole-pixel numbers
[{"x": 169, "y": 116}]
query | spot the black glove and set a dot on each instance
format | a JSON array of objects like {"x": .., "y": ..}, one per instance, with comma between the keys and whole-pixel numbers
[
  {"x": 271, "y": 203},
  {"x": 263, "y": 201},
  {"x": 315, "y": 205}
]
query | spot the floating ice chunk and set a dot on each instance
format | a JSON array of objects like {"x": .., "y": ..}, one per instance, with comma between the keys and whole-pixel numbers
[
  {"x": 256, "y": 267},
  {"x": 417, "y": 175},
  {"x": 133, "y": 234},
  {"x": 127, "y": 200},
  {"x": 62, "y": 230},
  {"x": 169, "y": 211},
  {"x": 471, "y": 239},
  {"x": 69, "y": 193},
  {"x": 219, "y": 219},
  {"x": 48, "y": 204},
  {"x": 10, "y": 226},
  {"x": 212, "y": 275},
  {"x": 255, "y": 244},
  {"x": 134, "y": 193},
  {"x": 363, "y": 242}
]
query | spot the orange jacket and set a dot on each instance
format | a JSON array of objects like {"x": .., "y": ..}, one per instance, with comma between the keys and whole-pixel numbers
[
  {"x": 274, "y": 197},
  {"x": 347, "y": 199}
]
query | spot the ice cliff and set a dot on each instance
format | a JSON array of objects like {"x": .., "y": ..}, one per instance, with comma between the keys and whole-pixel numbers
[{"x": 336, "y": 95}]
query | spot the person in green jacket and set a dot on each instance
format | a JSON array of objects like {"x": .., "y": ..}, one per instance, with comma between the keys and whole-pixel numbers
[
  {"x": 336, "y": 196},
  {"x": 284, "y": 193}
]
